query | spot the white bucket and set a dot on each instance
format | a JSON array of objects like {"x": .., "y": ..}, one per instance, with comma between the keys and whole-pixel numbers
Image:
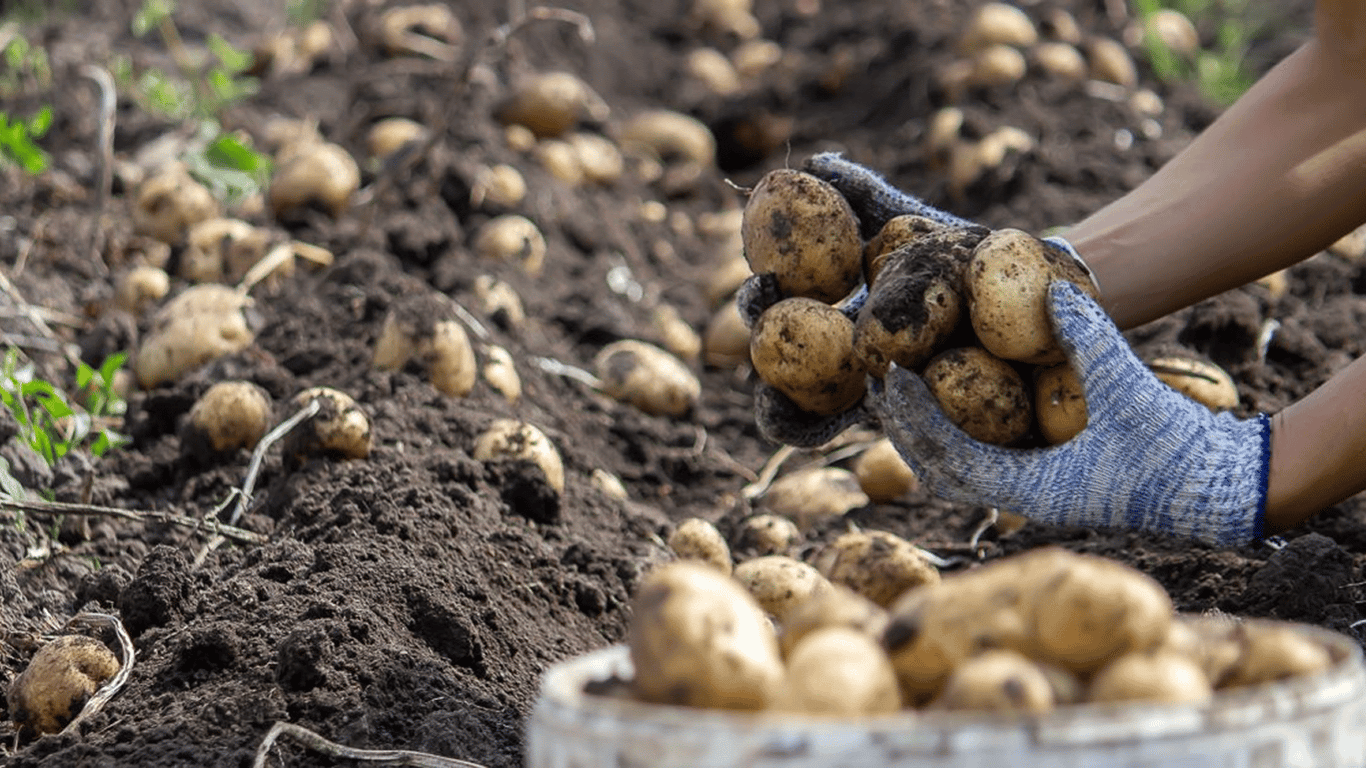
[{"x": 1317, "y": 721}]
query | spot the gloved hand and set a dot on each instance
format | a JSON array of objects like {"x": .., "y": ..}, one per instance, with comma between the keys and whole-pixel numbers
[{"x": 1149, "y": 458}]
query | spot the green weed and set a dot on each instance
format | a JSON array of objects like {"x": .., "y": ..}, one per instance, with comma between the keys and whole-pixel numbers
[
  {"x": 1221, "y": 72},
  {"x": 17, "y": 145},
  {"x": 48, "y": 420}
]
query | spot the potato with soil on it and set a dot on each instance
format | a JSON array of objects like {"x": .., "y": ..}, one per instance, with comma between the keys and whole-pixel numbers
[
  {"x": 1059, "y": 403},
  {"x": 698, "y": 539},
  {"x": 59, "y": 680},
  {"x": 230, "y": 415},
  {"x": 340, "y": 428},
  {"x": 698, "y": 639},
  {"x": 765, "y": 534},
  {"x": 517, "y": 440},
  {"x": 202, "y": 323},
  {"x": 837, "y": 606},
  {"x": 808, "y": 496},
  {"x": 879, "y": 565},
  {"x": 423, "y": 328},
  {"x": 512, "y": 238},
  {"x": 140, "y": 287},
  {"x": 780, "y": 583},
  {"x": 997, "y": 681},
  {"x": 883, "y": 474},
  {"x": 838, "y": 671},
  {"x": 1164, "y": 677},
  {"x": 981, "y": 394},
  {"x": 1200, "y": 380},
  {"x": 222, "y": 250},
  {"x": 647, "y": 377},
  {"x": 549, "y": 104},
  {"x": 1007, "y": 290},
  {"x": 802, "y": 230},
  {"x": 1274, "y": 653},
  {"x": 317, "y": 173},
  {"x": 169, "y": 203},
  {"x": 391, "y": 134},
  {"x": 805, "y": 349}
]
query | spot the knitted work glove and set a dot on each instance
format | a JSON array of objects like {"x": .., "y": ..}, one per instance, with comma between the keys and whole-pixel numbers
[{"x": 1149, "y": 458}]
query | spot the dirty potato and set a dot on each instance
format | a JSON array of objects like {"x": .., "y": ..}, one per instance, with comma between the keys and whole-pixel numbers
[
  {"x": 202, "y": 323},
  {"x": 647, "y": 377},
  {"x": 766, "y": 534},
  {"x": 914, "y": 306},
  {"x": 982, "y": 394},
  {"x": 230, "y": 415},
  {"x": 808, "y": 496},
  {"x": 517, "y": 440},
  {"x": 340, "y": 428},
  {"x": 837, "y": 606},
  {"x": 1163, "y": 677},
  {"x": 879, "y": 565},
  {"x": 997, "y": 681},
  {"x": 802, "y": 230},
  {"x": 883, "y": 474},
  {"x": 698, "y": 539},
  {"x": 59, "y": 680},
  {"x": 1200, "y": 380},
  {"x": 1059, "y": 403},
  {"x": 805, "y": 349},
  {"x": 780, "y": 583},
  {"x": 838, "y": 671},
  {"x": 1272, "y": 652}
]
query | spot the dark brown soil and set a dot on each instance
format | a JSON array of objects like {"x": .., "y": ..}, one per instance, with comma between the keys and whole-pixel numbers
[{"x": 411, "y": 600}]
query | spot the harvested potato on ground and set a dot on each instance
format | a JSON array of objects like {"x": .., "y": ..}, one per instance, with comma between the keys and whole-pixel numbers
[
  {"x": 499, "y": 185},
  {"x": 421, "y": 328},
  {"x": 1007, "y": 288},
  {"x": 1060, "y": 60},
  {"x": 551, "y": 103},
  {"x": 982, "y": 394},
  {"x": 698, "y": 539},
  {"x": 1168, "y": 678},
  {"x": 319, "y": 173},
  {"x": 599, "y": 159},
  {"x": 697, "y": 638},
  {"x": 802, "y": 230},
  {"x": 518, "y": 440},
  {"x": 391, "y": 134},
  {"x": 779, "y": 583},
  {"x": 168, "y": 203},
  {"x": 1092, "y": 610},
  {"x": 725, "y": 341},
  {"x": 512, "y": 238},
  {"x": 805, "y": 349},
  {"x": 727, "y": 277},
  {"x": 997, "y": 681},
  {"x": 669, "y": 137},
  {"x": 200, "y": 324},
  {"x": 229, "y": 415},
  {"x": 340, "y": 428},
  {"x": 766, "y": 534},
  {"x": 837, "y": 606},
  {"x": 425, "y": 30},
  {"x": 501, "y": 373},
  {"x": 677, "y": 336},
  {"x": 500, "y": 301},
  {"x": 59, "y": 680},
  {"x": 218, "y": 250},
  {"x": 810, "y": 495},
  {"x": 879, "y": 565},
  {"x": 1201, "y": 381},
  {"x": 1274, "y": 653},
  {"x": 1111, "y": 63},
  {"x": 560, "y": 160},
  {"x": 997, "y": 24},
  {"x": 838, "y": 671},
  {"x": 883, "y": 474},
  {"x": 1059, "y": 403},
  {"x": 140, "y": 287},
  {"x": 647, "y": 377}
]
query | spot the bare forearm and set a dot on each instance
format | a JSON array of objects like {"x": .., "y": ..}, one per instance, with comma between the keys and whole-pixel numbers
[
  {"x": 1275, "y": 179},
  {"x": 1318, "y": 450}
]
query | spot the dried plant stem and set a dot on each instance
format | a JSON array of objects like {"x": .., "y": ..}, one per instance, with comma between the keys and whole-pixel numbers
[
  {"x": 259, "y": 454},
  {"x": 62, "y": 508},
  {"x": 332, "y": 749},
  {"x": 105, "y": 155},
  {"x": 110, "y": 689}
]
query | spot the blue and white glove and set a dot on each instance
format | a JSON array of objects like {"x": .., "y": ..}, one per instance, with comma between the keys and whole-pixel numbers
[{"x": 1149, "y": 459}]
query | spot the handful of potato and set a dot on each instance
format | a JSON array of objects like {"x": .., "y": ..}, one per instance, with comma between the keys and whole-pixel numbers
[
  {"x": 1026, "y": 634},
  {"x": 964, "y": 307}
]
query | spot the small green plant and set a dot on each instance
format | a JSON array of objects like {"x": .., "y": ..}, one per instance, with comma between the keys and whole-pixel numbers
[
  {"x": 230, "y": 169},
  {"x": 48, "y": 422},
  {"x": 17, "y": 145},
  {"x": 1221, "y": 72},
  {"x": 24, "y": 66},
  {"x": 202, "y": 88}
]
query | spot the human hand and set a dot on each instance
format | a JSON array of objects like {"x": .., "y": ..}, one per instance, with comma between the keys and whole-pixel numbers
[{"x": 1149, "y": 458}]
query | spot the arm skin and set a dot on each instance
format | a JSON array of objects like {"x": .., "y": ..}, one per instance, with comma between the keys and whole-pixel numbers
[{"x": 1278, "y": 177}]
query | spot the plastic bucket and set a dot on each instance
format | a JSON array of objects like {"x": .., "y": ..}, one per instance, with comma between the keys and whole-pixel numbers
[{"x": 1315, "y": 721}]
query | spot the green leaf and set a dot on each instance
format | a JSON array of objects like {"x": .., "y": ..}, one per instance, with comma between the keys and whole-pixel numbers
[
  {"x": 84, "y": 375},
  {"x": 39, "y": 123},
  {"x": 111, "y": 366},
  {"x": 228, "y": 152},
  {"x": 8, "y": 485},
  {"x": 56, "y": 407},
  {"x": 235, "y": 59}
]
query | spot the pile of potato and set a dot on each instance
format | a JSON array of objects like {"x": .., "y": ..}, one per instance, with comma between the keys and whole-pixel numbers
[
  {"x": 1025, "y": 634},
  {"x": 965, "y": 307}
]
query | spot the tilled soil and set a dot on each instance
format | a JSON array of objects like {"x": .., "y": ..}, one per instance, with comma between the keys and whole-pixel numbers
[{"x": 411, "y": 600}]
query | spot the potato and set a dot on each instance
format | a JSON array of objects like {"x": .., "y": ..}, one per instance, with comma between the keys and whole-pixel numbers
[
  {"x": 501, "y": 186},
  {"x": 501, "y": 373},
  {"x": 610, "y": 485},
  {"x": 838, "y": 671},
  {"x": 807, "y": 496},
  {"x": 59, "y": 680},
  {"x": 424, "y": 30},
  {"x": 1059, "y": 403},
  {"x": 599, "y": 159},
  {"x": 1214, "y": 643},
  {"x": 727, "y": 278},
  {"x": 169, "y": 202},
  {"x": 1174, "y": 29},
  {"x": 1007, "y": 289},
  {"x": 340, "y": 428},
  {"x": 1168, "y": 678},
  {"x": 729, "y": 18},
  {"x": 981, "y": 393},
  {"x": 1060, "y": 60},
  {"x": 766, "y": 534},
  {"x": 1147, "y": 103},
  {"x": 1093, "y": 610},
  {"x": 941, "y": 136},
  {"x": 697, "y": 638},
  {"x": 560, "y": 160},
  {"x": 500, "y": 301},
  {"x": 218, "y": 250},
  {"x": 1202, "y": 381},
  {"x": 883, "y": 474},
  {"x": 1060, "y": 24},
  {"x": 200, "y": 324},
  {"x": 321, "y": 173},
  {"x": 725, "y": 341},
  {"x": 837, "y": 606},
  {"x": 391, "y": 134},
  {"x": 669, "y": 137},
  {"x": 142, "y": 286},
  {"x": 551, "y": 103},
  {"x": 805, "y": 349},
  {"x": 510, "y": 439},
  {"x": 997, "y": 24},
  {"x": 698, "y": 539},
  {"x": 511, "y": 237},
  {"x": 997, "y": 681},
  {"x": 1111, "y": 63},
  {"x": 647, "y": 377},
  {"x": 754, "y": 57},
  {"x": 879, "y": 565},
  {"x": 678, "y": 337},
  {"x": 421, "y": 328},
  {"x": 779, "y": 583},
  {"x": 230, "y": 415},
  {"x": 711, "y": 68},
  {"x": 802, "y": 230},
  {"x": 996, "y": 65},
  {"x": 1271, "y": 652}
]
